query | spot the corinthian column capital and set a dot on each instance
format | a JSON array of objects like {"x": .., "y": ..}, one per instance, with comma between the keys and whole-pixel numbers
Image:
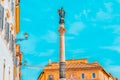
[{"x": 61, "y": 30}]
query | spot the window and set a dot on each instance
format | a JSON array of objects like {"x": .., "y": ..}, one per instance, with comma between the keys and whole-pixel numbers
[
  {"x": 15, "y": 61},
  {"x": 50, "y": 77},
  {"x": 1, "y": 17},
  {"x": 93, "y": 75},
  {"x": 13, "y": 41},
  {"x": 72, "y": 76},
  {"x": 12, "y": 7},
  {"x": 7, "y": 32},
  {"x": 10, "y": 38},
  {"x": 83, "y": 75}
]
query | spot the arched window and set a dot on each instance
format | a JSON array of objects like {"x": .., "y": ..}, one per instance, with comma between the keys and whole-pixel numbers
[
  {"x": 50, "y": 77},
  {"x": 93, "y": 75},
  {"x": 83, "y": 75}
]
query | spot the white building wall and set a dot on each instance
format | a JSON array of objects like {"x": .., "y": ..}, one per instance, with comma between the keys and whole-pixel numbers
[
  {"x": 7, "y": 56},
  {"x": 5, "y": 53}
]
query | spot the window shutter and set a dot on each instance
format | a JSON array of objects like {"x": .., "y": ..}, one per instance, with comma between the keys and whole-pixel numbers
[
  {"x": 15, "y": 61},
  {"x": 7, "y": 32},
  {"x": 1, "y": 17},
  {"x": 93, "y": 75},
  {"x": 12, "y": 9},
  {"x": 13, "y": 44},
  {"x": 10, "y": 41},
  {"x": 83, "y": 75}
]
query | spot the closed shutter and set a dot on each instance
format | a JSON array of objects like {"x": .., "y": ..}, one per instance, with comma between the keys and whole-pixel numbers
[
  {"x": 7, "y": 32},
  {"x": 12, "y": 9},
  {"x": 15, "y": 61},
  {"x": 10, "y": 41},
  {"x": 13, "y": 41},
  {"x": 83, "y": 75},
  {"x": 1, "y": 17}
]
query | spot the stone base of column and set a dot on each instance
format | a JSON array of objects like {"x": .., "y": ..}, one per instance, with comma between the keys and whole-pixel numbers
[
  {"x": 62, "y": 79},
  {"x": 62, "y": 70}
]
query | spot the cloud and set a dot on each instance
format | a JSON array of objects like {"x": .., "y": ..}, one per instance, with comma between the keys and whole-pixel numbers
[
  {"x": 77, "y": 16},
  {"x": 47, "y": 9},
  {"x": 76, "y": 51},
  {"x": 83, "y": 13},
  {"x": 28, "y": 46},
  {"x": 76, "y": 27},
  {"x": 108, "y": 6},
  {"x": 101, "y": 15},
  {"x": 110, "y": 67},
  {"x": 46, "y": 53},
  {"x": 115, "y": 29},
  {"x": 27, "y": 19},
  {"x": 116, "y": 43},
  {"x": 118, "y": 1},
  {"x": 114, "y": 69},
  {"x": 50, "y": 37},
  {"x": 105, "y": 15},
  {"x": 69, "y": 37},
  {"x": 113, "y": 48}
]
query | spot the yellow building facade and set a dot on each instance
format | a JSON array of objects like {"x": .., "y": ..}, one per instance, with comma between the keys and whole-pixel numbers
[{"x": 76, "y": 70}]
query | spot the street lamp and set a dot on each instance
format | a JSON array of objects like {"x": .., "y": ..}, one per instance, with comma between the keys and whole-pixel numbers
[
  {"x": 26, "y": 35},
  {"x": 30, "y": 66},
  {"x": 21, "y": 39}
]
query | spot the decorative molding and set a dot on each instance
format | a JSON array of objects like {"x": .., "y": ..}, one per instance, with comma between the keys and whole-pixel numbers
[{"x": 7, "y": 13}]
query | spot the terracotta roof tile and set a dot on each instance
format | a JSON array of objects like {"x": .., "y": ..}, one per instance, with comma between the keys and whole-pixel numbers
[{"x": 73, "y": 65}]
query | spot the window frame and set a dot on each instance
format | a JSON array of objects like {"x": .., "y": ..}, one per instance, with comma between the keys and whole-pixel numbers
[
  {"x": 50, "y": 76},
  {"x": 93, "y": 75},
  {"x": 83, "y": 76}
]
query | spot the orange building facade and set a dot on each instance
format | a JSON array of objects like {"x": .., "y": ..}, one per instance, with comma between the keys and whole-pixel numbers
[
  {"x": 17, "y": 70},
  {"x": 76, "y": 70}
]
